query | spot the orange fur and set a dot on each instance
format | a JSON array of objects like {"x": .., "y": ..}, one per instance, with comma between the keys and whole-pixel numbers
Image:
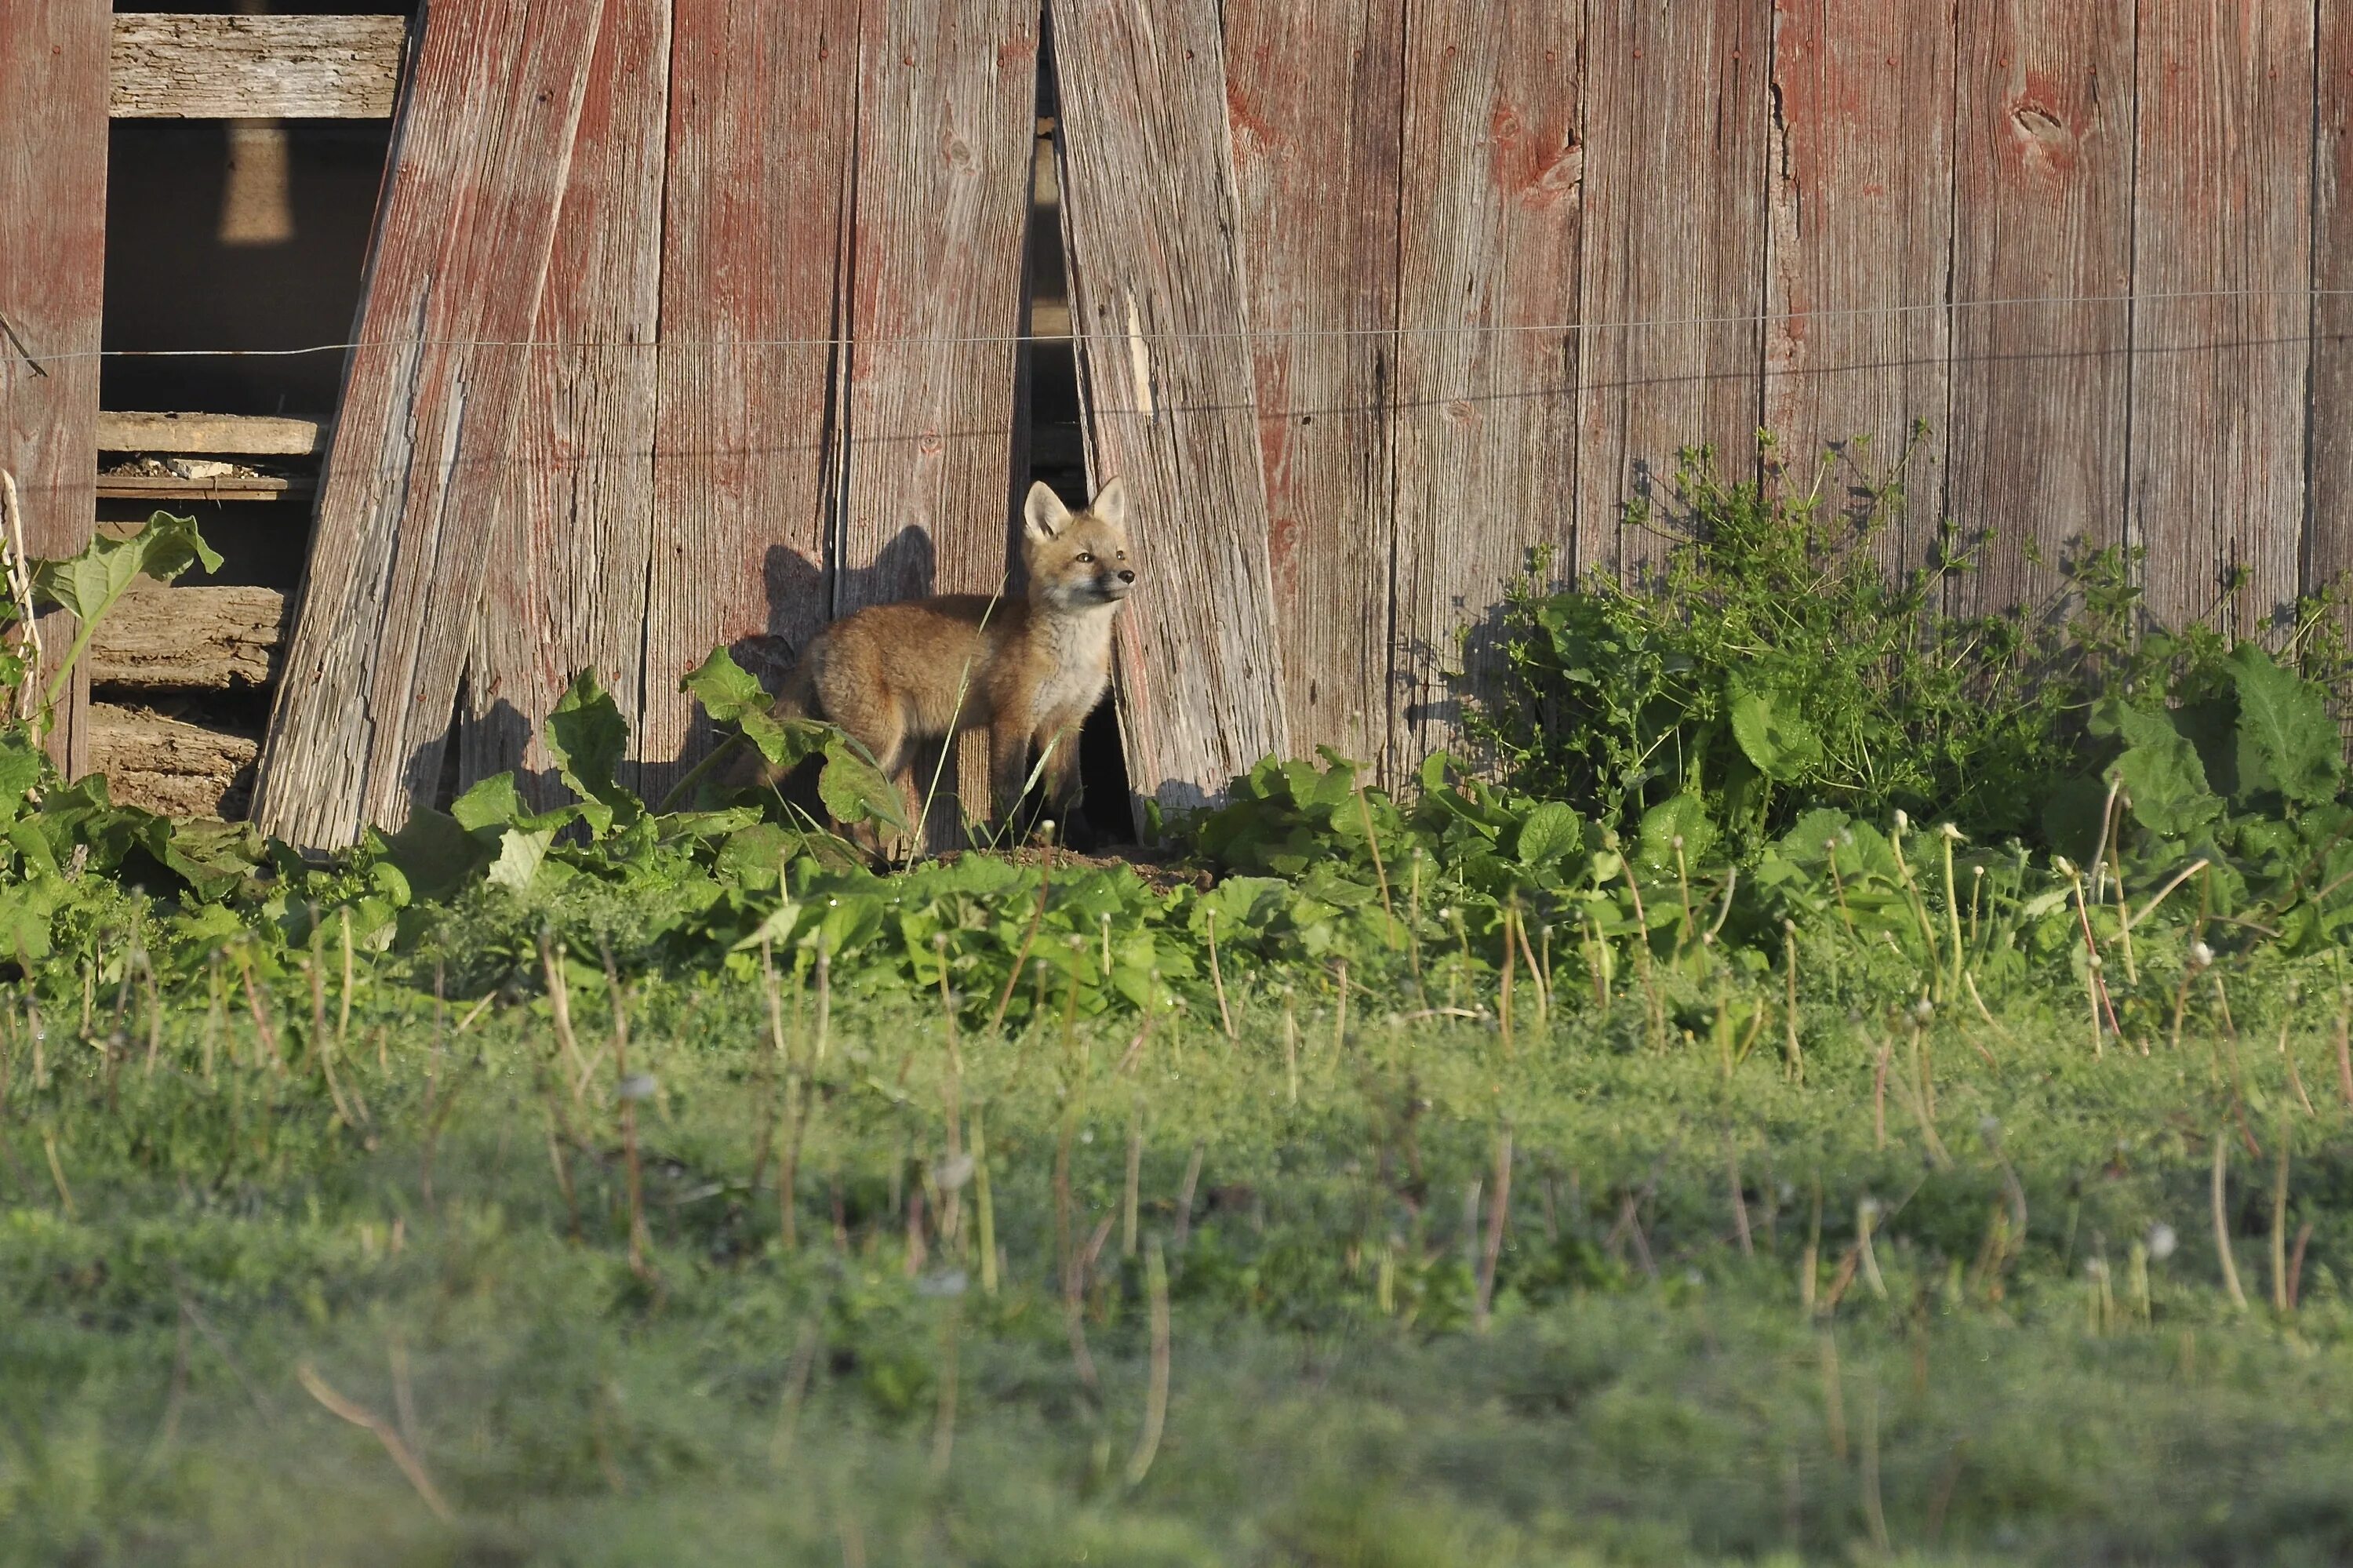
[{"x": 1028, "y": 670}]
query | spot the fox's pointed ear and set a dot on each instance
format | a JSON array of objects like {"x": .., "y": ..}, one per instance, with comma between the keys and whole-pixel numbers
[
  {"x": 1111, "y": 505},
  {"x": 1043, "y": 515}
]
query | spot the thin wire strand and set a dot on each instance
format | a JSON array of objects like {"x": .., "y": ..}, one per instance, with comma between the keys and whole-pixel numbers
[{"x": 1171, "y": 335}]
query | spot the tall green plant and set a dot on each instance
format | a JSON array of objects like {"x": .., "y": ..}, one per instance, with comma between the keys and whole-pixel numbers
[{"x": 1772, "y": 664}]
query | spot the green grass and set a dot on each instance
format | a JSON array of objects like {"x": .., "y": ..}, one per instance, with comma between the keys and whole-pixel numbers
[{"x": 1643, "y": 1388}]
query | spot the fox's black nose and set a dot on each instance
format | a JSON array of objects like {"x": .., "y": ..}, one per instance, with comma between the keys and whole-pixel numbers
[{"x": 1127, "y": 576}]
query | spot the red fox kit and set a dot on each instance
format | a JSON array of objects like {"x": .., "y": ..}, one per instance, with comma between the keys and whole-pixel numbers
[{"x": 1027, "y": 671}]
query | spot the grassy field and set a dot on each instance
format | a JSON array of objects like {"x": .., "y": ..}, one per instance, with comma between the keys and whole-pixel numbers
[
  {"x": 750, "y": 1273},
  {"x": 1835, "y": 1084}
]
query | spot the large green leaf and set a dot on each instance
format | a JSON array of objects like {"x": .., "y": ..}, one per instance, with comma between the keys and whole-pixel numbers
[
  {"x": 1681, "y": 817},
  {"x": 213, "y": 858},
  {"x": 1781, "y": 743},
  {"x": 726, "y": 690},
  {"x": 855, "y": 790},
  {"x": 2160, "y": 772},
  {"x": 25, "y": 911},
  {"x": 435, "y": 853},
  {"x": 730, "y": 694},
  {"x": 22, "y": 767},
  {"x": 520, "y": 851},
  {"x": 589, "y": 738},
  {"x": 1551, "y": 831},
  {"x": 2287, "y": 742},
  {"x": 87, "y": 584},
  {"x": 492, "y": 803}
]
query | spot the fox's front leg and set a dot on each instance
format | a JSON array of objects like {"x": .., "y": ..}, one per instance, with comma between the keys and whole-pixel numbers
[
  {"x": 1009, "y": 767},
  {"x": 1059, "y": 747}
]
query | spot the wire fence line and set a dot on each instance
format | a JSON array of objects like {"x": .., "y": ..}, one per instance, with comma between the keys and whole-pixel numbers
[{"x": 1150, "y": 334}]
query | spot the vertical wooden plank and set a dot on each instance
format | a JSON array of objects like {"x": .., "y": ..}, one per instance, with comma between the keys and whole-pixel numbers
[
  {"x": 2328, "y": 542},
  {"x": 1859, "y": 247},
  {"x": 565, "y": 587},
  {"x": 2042, "y": 267},
  {"x": 1674, "y": 254},
  {"x": 946, "y": 135},
  {"x": 1313, "y": 106},
  {"x": 1488, "y": 271},
  {"x": 363, "y": 708},
  {"x": 53, "y": 61},
  {"x": 1156, "y": 307},
  {"x": 2221, "y": 314},
  {"x": 762, "y": 107}
]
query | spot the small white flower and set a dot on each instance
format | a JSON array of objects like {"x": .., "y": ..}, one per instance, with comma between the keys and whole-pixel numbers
[
  {"x": 1946, "y": 831},
  {"x": 1903, "y": 821},
  {"x": 952, "y": 1174},
  {"x": 1923, "y": 1010},
  {"x": 1868, "y": 1210},
  {"x": 2161, "y": 1241},
  {"x": 1989, "y": 1128},
  {"x": 637, "y": 1086},
  {"x": 946, "y": 1282}
]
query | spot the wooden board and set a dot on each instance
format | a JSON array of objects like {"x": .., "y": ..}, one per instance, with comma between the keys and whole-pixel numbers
[
  {"x": 762, "y": 121},
  {"x": 189, "y": 639},
  {"x": 2043, "y": 211},
  {"x": 1670, "y": 356},
  {"x": 1859, "y": 253},
  {"x": 167, "y": 487},
  {"x": 165, "y": 764},
  {"x": 1314, "y": 101},
  {"x": 566, "y": 583},
  {"x": 218, "y": 435},
  {"x": 935, "y": 443},
  {"x": 2328, "y": 542},
  {"x": 429, "y": 415},
  {"x": 2223, "y": 204},
  {"x": 1166, "y": 382},
  {"x": 52, "y": 266},
  {"x": 177, "y": 67},
  {"x": 1488, "y": 271}
]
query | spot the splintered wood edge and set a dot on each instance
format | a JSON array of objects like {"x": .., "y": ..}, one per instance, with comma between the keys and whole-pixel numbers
[
  {"x": 222, "y": 435},
  {"x": 177, "y": 67}
]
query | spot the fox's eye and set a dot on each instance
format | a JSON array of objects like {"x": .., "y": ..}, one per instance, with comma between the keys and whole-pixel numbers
[
  {"x": 1085, "y": 557},
  {"x": 1122, "y": 554}
]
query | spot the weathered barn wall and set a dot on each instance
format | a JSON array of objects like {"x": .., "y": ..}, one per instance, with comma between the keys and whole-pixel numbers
[
  {"x": 1373, "y": 297},
  {"x": 1501, "y": 263}
]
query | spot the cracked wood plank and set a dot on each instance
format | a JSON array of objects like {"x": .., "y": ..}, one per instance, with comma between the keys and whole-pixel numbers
[
  {"x": 2329, "y": 546},
  {"x": 52, "y": 270},
  {"x": 184, "y": 66},
  {"x": 1676, "y": 103},
  {"x": 1496, "y": 162},
  {"x": 937, "y": 441},
  {"x": 2225, "y": 102},
  {"x": 427, "y": 427},
  {"x": 1315, "y": 94},
  {"x": 1858, "y": 333},
  {"x": 218, "y": 435},
  {"x": 165, "y": 764},
  {"x": 762, "y": 100},
  {"x": 189, "y": 639},
  {"x": 566, "y": 583},
  {"x": 1166, "y": 389},
  {"x": 2043, "y": 210}
]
